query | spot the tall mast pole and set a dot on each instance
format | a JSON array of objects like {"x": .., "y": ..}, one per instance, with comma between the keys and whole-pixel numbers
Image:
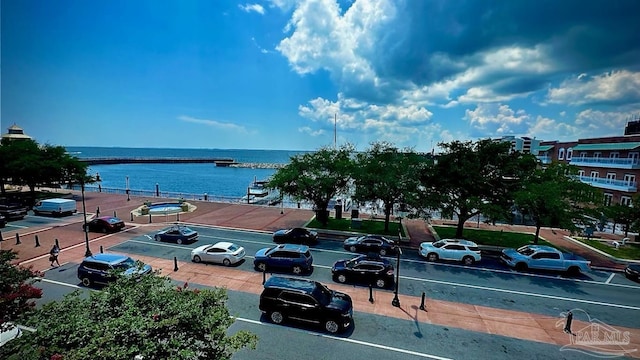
[{"x": 335, "y": 130}]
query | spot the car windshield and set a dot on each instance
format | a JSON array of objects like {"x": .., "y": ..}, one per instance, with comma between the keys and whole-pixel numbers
[
  {"x": 525, "y": 250},
  {"x": 439, "y": 244},
  {"x": 233, "y": 247},
  {"x": 322, "y": 294},
  {"x": 127, "y": 264},
  {"x": 113, "y": 220}
]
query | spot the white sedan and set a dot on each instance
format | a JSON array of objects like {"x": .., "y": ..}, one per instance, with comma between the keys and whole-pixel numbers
[
  {"x": 451, "y": 249},
  {"x": 225, "y": 253}
]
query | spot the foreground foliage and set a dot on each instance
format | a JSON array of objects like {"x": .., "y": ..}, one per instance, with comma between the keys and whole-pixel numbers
[
  {"x": 145, "y": 316},
  {"x": 17, "y": 294}
]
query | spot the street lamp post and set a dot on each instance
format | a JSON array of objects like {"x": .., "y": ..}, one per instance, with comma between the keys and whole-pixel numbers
[
  {"x": 396, "y": 301},
  {"x": 87, "y": 252}
]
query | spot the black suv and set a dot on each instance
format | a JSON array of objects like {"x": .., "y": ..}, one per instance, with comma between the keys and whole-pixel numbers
[{"x": 307, "y": 301}]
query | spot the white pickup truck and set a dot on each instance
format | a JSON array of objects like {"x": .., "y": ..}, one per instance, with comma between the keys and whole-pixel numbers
[{"x": 544, "y": 258}]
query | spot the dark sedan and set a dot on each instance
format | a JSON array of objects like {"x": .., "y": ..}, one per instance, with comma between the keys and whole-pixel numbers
[
  {"x": 295, "y": 236},
  {"x": 178, "y": 234},
  {"x": 371, "y": 244},
  {"x": 364, "y": 269},
  {"x": 104, "y": 224},
  {"x": 632, "y": 272}
]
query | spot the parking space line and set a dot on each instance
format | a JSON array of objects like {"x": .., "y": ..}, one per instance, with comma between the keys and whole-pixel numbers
[
  {"x": 610, "y": 278},
  {"x": 353, "y": 341}
]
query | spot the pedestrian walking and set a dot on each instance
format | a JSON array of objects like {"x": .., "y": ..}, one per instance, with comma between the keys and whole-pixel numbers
[{"x": 53, "y": 254}]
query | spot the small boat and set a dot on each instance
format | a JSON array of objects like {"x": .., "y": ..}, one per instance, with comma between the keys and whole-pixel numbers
[{"x": 258, "y": 193}]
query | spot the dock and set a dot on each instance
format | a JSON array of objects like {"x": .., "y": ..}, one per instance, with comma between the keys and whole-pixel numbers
[{"x": 157, "y": 160}]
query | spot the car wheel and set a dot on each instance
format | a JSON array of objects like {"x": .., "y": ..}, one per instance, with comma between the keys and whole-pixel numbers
[
  {"x": 179, "y": 241},
  {"x": 158, "y": 238},
  {"x": 226, "y": 262},
  {"x": 341, "y": 278},
  {"x": 468, "y": 260},
  {"x": 331, "y": 326},
  {"x": 104, "y": 230},
  {"x": 261, "y": 267},
  {"x": 573, "y": 270},
  {"x": 383, "y": 252},
  {"x": 276, "y": 317},
  {"x": 381, "y": 283},
  {"x": 521, "y": 267},
  {"x": 352, "y": 248},
  {"x": 86, "y": 282},
  {"x": 432, "y": 257},
  {"x": 197, "y": 259},
  {"x": 297, "y": 270}
]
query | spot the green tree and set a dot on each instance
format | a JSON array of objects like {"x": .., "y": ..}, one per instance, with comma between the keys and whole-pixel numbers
[
  {"x": 144, "y": 315},
  {"x": 553, "y": 196},
  {"x": 384, "y": 173},
  {"x": 17, "y": 294},
  {"x": 472, "y": 178},
  {"x": 621, "y": 214},
  {"x": 316, "y": 177}
]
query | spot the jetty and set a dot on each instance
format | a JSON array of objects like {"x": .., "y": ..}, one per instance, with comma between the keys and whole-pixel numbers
[{"x": 221, "y": 162}]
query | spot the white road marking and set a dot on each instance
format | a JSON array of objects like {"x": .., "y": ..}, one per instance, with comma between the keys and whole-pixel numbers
[
  {"x": 610, "y": 278},
  {"x": 62, "y": 283},
  {"x": 353, "y": 341}
]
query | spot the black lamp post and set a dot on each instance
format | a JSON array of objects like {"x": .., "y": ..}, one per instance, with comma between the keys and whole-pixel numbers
[
  {"x": 396, "y": 301},
  {"x": 87, "y": 252}
]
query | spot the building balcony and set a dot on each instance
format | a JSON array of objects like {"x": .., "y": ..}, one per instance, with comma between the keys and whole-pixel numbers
[
  {"x": 611, "y": 163},
  {"x": 544, "y": 159},
  {"x": 609, "y": 184}
]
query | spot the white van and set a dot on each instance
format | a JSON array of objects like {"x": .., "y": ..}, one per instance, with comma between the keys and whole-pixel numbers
[{"x": 55, "y": 207}]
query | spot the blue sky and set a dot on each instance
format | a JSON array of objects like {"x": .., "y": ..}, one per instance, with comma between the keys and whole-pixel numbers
[{"x": 273, "y": 74}]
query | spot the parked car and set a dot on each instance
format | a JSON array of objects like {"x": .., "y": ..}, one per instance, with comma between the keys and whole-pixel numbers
[
  {"x": 3, "y": 221},
  {"x": 8, "y": 332},
  {"x": 178, "y": 234},
  {"x": 104, "y": 224},
  {"x": 296, "y": 258},
  {"x": 632, "y": 272},
  {"x": 542, "y": 257},
  {"x": 55, "y": 207},
  {"x": 295, "y": 236},
  {"x": 365, "y": 270},
  {"x": 371, "y": 243},
  {"x": 223, "y": 252},
  {"x": 451, "y": 249},
  {"x": 13, "y": 211},
  {"x": 306, "y": 300},
  {"x": 103, "y": 268}
]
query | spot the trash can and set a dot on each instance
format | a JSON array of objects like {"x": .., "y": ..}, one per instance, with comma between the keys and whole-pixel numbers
[
  {"x": 355, "y": 214},
  {"x": 338, "y": 209}
]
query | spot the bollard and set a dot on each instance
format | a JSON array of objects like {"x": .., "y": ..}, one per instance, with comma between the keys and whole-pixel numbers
[
  {"x": 114, "y": 214},
  {"x": 567, "y": 326},
  {"x": 206, "y": 197},
  {"x": 370, "y": 293},
  {"x": 422, "y": 302},
  {"x": 149, "y": 218},
  {"x": 97, "y": 211},
  {"x": 175, "y": 263},
  {"x": 101, "y": 249},
  {"x": 18, "y": 239},
  {"x": 57, "y": 244},
  {"x": 131, "y": 216},
  {"x": 177, "y": 216},
  {"x": 264, "y": 277},
  {"x": 37, "y": 241}
]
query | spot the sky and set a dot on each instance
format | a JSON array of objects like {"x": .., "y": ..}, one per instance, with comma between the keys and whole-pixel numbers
[{"x": 301, "y": 75}]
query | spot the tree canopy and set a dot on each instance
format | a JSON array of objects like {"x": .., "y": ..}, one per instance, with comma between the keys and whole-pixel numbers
[
  {"x": 17, "y": 293},
  {"x": 316, "y": 177},
  {"x": 144, "y": 315},
  {"x": 384, "y": 173},
  {"x": 553, "y": 196}
]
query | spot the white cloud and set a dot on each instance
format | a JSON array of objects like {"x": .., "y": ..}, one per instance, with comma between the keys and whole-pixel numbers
[
  {"x": 310, "y": 131},
  {"x": 618, "y": 87},
  {"x": 252, "y": 8},
  {"x": 497, "y": 119},
  {"x": 214, "y": 123}
]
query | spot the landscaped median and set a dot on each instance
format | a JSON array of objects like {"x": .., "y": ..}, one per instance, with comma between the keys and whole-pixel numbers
[{"x": 623, "y": 251}]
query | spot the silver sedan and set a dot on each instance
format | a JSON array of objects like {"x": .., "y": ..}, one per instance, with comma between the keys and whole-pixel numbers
[{"x": 225, "y": 253}]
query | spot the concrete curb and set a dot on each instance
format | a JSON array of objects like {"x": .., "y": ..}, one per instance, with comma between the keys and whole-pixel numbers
[{"x": 617, "y": 260}]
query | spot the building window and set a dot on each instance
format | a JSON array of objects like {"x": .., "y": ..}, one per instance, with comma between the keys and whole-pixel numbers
[
  {"x": 583, "y": 155},
  {"x": 581, "y": 173},
  {"x": 561, "y": 154},
  {"x": 630, "y": 179},
  {"x": 594, "y": 174},
  {"x": 569, "y": 153},
  {"x": 614, "y": 155},
  {"x": 625, "y": 200},
  {"x": 634, "y": 156},
  {"x": 610, "y": 177},
  {"x": 596, "y": 155},
  {"x": 607, "y": 199}
]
